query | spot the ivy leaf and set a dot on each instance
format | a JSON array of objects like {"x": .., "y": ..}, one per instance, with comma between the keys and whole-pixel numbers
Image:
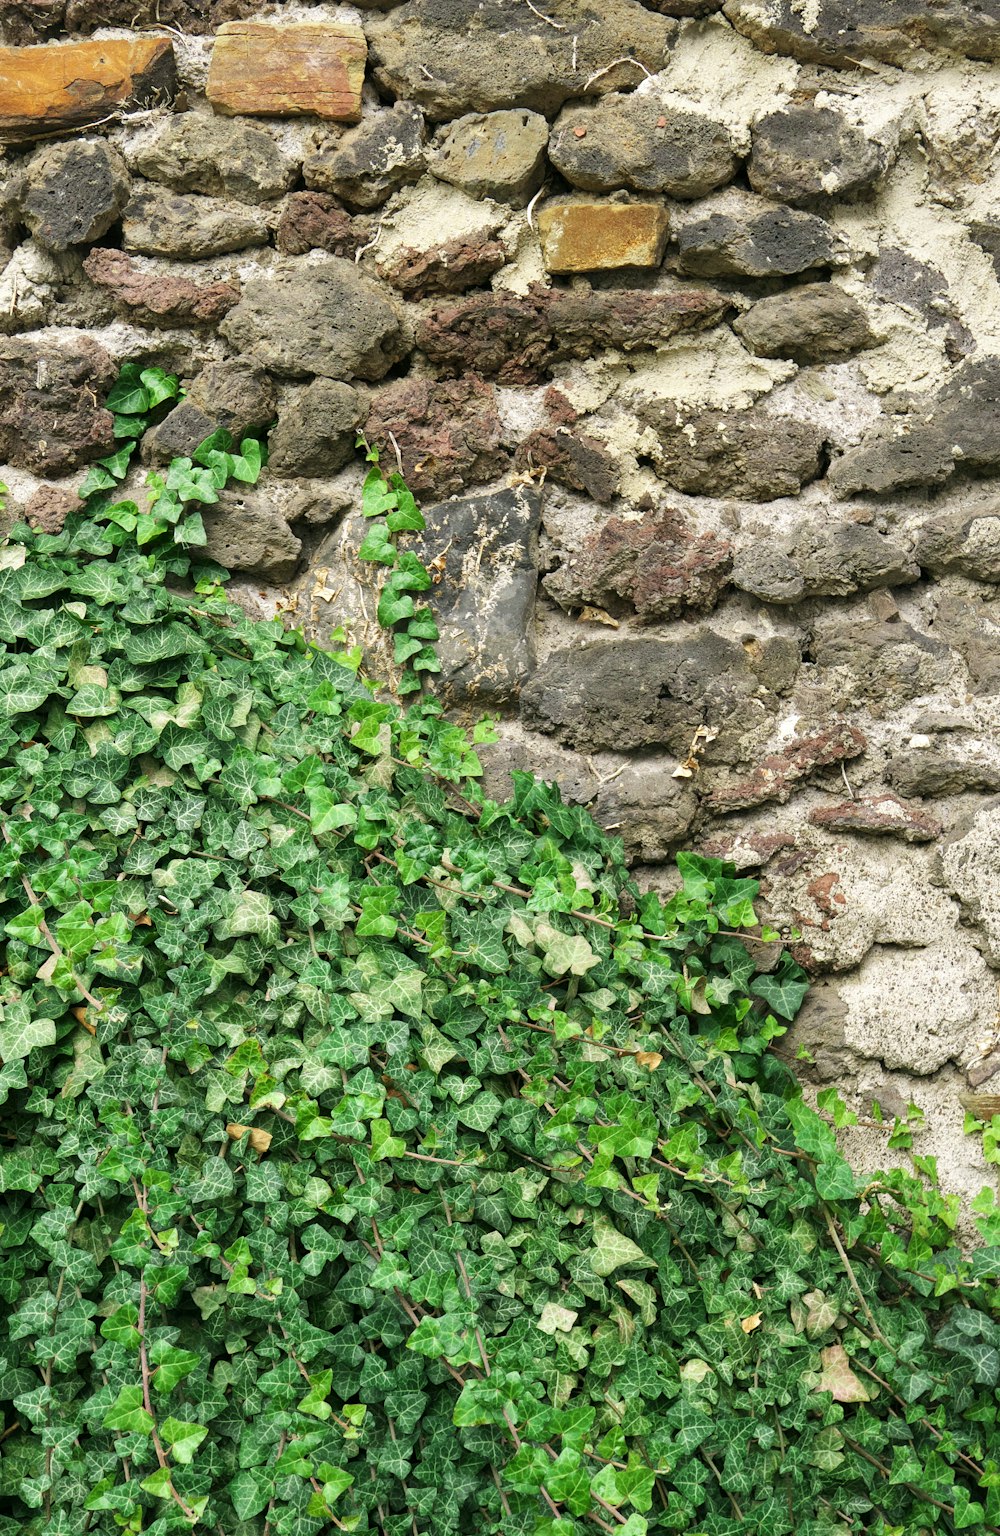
[
  {"x": 838, "y": 1379},
  {"x": 21, "y": 1034},
  {"x": 127, "y": 1413},
  {"x": 183, "y": 1438}
]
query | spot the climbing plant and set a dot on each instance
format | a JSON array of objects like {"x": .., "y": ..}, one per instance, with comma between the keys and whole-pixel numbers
[{"x": 374, "y": 1156}]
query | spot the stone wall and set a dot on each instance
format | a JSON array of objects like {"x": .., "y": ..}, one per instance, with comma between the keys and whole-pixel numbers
[{"x": 683, "y": 321}]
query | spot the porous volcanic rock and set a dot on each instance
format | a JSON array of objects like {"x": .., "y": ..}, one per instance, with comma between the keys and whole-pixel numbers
[
  {"x": 158, "y": 298},
  {"x": 847, "y": 32},
  {"x": 635, "y": 141},
  {"x": 753, "y": 455},
  {"x": 48, "y": 507},
  {"x": 449, "y": 432},
  {"x": 235, "y": 395},
  {"x": 247, "y": 533},
  {"x": 779, "y": 773},
  {"x": 73, "y": 193},
  {"x": 158, "y": 222},
  {"x": 658, "y": 566},
  {"x": 817, "y": 323},
  {"x": 502, "y": 55},
  {"x": 749, "y": 236},
  {"x": 322, "y": 318},
  {"x": 960, "y": 541},
  {"x": 494, "y": 154},
  {"x": 316, "y": 429},
  {"x": 879, "y": 815},
  {"x": 800, "y": 154},
  {"x": 822, "y": 561},
  {"x": 882, "y": 664},
  {"x": 221, "y": 157},
  {"x": 574, "y": 459},
  {"x": 374, "y": 159},
  {"x": 51, "y": 421},
  {"x": 451, "y": 267},
  {"x": 312, "y": 221}
]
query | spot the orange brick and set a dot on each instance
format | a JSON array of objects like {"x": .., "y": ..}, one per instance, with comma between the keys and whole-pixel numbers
[
  {"x": 69, "y": 85},
  {"x": 304, "y": 67},
  {"x": 599, "y": 236}
]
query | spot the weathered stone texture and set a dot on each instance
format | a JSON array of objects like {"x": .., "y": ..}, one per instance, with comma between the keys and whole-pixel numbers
[
  {"x": 635, "y": 141},
  {"x": 158, "y": 298},
  {"x": 819, "y": 561},
  {"x": 316, "y": 429},
  {"x": 247, "y": 533},
  {"x": 372, "y": 160},
  {"x": 883, "y": 815},
  {"x": 778, "y": 774},
  {"x": 51, "y": 421},
  {"x": 449, "y": 433},
  {"x": 314, "y": 221},
  {"x": 574, "y": 459},
  {"x": 801, "y": 154},
  {"x": 324, "y": 318},
  {"x": 218, "y": 156},
  {"x": 752, "y": 237},
  {"x": 494, "y": 154},
  {"x": 234, "y": 395},
  {"x": 657, "y": 566},
  {"x": 45, "y": 90},
  {"x": 816, "y": 323},
  {"x": 598, "y": 236},
  {"x": 158, "y": 222},
  {"x": 451, "y": 267},
  {"x": 284, "y": 71},
  {"x": 753, "y": 455},
  {"x": 501, "y": 55},
  {"x": 73, "y": 193},
  {"x": 846, "y": 32}
]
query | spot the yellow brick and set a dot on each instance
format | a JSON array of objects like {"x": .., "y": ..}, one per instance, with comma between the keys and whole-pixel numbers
[{"x": 599, "y": 236}]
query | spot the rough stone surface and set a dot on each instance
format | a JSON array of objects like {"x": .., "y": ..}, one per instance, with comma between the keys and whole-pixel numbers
[
  {"x": 246, "y": 533},
  {"x": 518, "y": 339},
  {"x": 28, "y": 21},
  {"x": 46, "y": 90},
  {"x": 381, "y": 154},
  {"x": 449, "y": 433},
  {"x": 803, "y": 153},
  {"x": 845, "y": 32},
  {"x": 778, "y": 774},
  {"x": 234, "y": 395},
  {"x": 73, "y": 192},
  {"x": 162, "y": 223},
  {"x": 758, "y": 239},
  {"x": 819, "y": 561},
  {"x": 494, "y": 154},
  {"x": 894, "y": 460},
  {"x": 962, "y": 542},
  {"x": 635, "y": 141},
  {"x": 321, "y": 318},
  {"x": 631, "y": 694},
  {"x": 316, "y": 429},
  {"x": 817, "y": 323},
  {"x": 651, "y": 811},
  {"x": 658, "y": 567},
  {"x": 451, "y": 267},
  {"x": 48, "y": 508},
  {"x": 313, "y": 221},
  {"x": 882, "y": 815},
  {"x": 970, "y": 866},
  {"x": 574, "y": 459},
  {"x": 580, "y": 236},
  {"x": 314, "y": 67},
  {"x": 50, "y": 419},
  {"x": 218, "y": 156},
  {"x": 753, "y": 455},
  {"x": 936, "y": 770},
  {"x": 158, "y": 298},
  {"x": 884, "y": 664},
  {"x": 483, "y": 550},
  {"x": 502, "y": 55}
]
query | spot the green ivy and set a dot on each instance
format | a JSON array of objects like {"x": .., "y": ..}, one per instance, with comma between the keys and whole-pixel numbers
[{"x": 375, "y": 1157}]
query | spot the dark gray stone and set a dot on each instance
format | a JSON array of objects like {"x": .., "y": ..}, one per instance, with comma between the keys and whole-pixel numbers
[
  {"x": 485, "y": 549},
  {"x": 629, "y": 694},
  {"x": 158, "y": 222},
  {"x": 246, "y": 533},
  {"x": 234, "y": 395},
  {"x": 924, "y": 291},
  {"x": 452, "y": 58},
  {"x": 817, "y": 323},
  {"x": 371, "y": 161},
  {"x": 819, "y": 561},
  {"x": 845, "y": 32},
  {"x": 758, "y": 240},
  {"x": 322, "y": 318},
  {"x": 634, "y": 141},
  {"x": 967, "y": 411},
  {"x": 802, "y": 154},
  {"x": 494, "y": 154},
  {"x": 752, "y": 455},
  {"x": 220, "y": 156},
  {"x": 912, "y": 455},
  {"x": 316, "y": 429},
  {"x": 72, "y": 193}
]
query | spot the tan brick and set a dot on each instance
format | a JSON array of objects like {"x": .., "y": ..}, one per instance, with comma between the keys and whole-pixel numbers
[
  {"x": 68, "y": 85},
  {"x": 304, "y": 67},
  {"x": 599, "y": 236}
]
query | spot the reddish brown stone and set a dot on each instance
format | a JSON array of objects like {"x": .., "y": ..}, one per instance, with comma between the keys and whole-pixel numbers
[
  {"x": 777, "y": 775},
  {"x": 156, "y": 298},
  {"x": 29, "y": 21},
  {"x": 284, "y": 71},
  {"x": 883, "y": 814},
  {"x": 50, "y": 418},
  {"x": 747, "y": 850},
  {"x": 68, "y": 85},
  {"x": 312, "y": 221},
  {"x": 449, "y": 434},
  {"x": 571, "y": 458},
  {"x": 657, "y": 565},
  {"x": 49, "y": 506},
  {"x": 449, "y": 268},
  {"x": 517, "y": 338}
]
